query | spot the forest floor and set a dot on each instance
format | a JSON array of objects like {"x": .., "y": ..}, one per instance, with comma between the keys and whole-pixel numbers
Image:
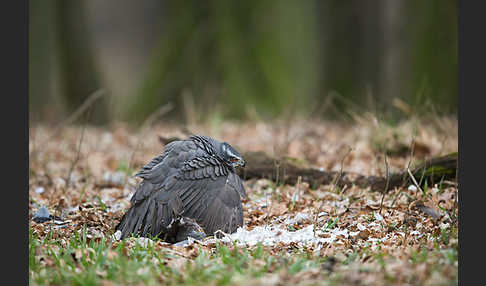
[{"x": 292, "y": 234}]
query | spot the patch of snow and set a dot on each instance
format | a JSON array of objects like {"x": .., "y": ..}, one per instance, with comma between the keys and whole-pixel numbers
[
  {"x": 298, "y": 218},
  {"x": 273, "y": 235},
  {"x": 372, "y": 224},
  {"x": 353, "y": 233},
  {"x": 116, "y": 178},
  {"x": 70, "y": 210},
  {"x": 118, "y": 206},
  {"x": 378, "y": 216},
  {"x": 117, "y": 235},
  {"x": 187, "y": 242},
  {"x": 144, "y": 241},
  {"x": 360, "y": 226},
  {"x": 444, "y": 225},
  {"x": 372, "y": 203}
]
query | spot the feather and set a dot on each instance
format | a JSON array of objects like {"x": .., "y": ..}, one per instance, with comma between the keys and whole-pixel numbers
[{"x": 217, "y": 171}]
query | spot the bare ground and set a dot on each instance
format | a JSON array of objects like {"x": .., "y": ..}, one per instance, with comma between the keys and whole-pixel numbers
[{"x": 359, "y": 237}]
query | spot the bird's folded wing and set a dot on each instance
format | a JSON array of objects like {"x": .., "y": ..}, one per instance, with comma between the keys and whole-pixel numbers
[{"x": 213, "y": 203}]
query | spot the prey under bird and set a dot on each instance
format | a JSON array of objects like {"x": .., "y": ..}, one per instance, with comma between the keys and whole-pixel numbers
[{"x": 193, "y": 179}]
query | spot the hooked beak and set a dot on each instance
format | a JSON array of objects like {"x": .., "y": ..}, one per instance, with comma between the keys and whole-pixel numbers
[{"x": 240, "y": 163}]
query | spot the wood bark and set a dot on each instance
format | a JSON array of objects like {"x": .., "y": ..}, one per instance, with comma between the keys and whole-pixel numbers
[{"x": 431, "y": 171}]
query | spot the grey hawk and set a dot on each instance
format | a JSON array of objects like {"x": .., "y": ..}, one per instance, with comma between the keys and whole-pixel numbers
[{"x": 193, "y": 178}]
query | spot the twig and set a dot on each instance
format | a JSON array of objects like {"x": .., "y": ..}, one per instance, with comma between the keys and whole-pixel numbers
[
  {"x": 344, "y": 189},
  {"x": 334, "y": 183},
  {"x": 269, "y": 206},
  {"x": 277, "y": 165},
  {"x": 299, "y": 181},
  {"x": 78, "y": 152},
  {"x": 454, "y": 208},
  {"x": 423, "y": 174},
  {"x": 387, "y": 175},
  {"x": 413, "y": 179},
  {"x": 404, "y": 175},
  {"x": 411, "y": 157},
  {"x": 76, "y": 114},
  {"x": 387, "y": 184},
  {"x": 83, "y": 107}
]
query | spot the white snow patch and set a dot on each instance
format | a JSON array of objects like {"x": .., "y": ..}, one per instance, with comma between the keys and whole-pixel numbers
[
  {"x": 372, "y": 224},
  {"x": 273, "y": 235},
  {"x": 322, "y": 214},
  {"x": 374, "y": 241},
  {"x": 114, "y": 178},
  {"x": 360, "y": 226},
  {"x": 298, "y": 218},
  {"x": 444, "y": 225},
  {"x": 117, "y": 235},
  {"x": 118, "y": 206},
  {"x": 378, "y": 216},
  {"x": 144, "y": 241}
]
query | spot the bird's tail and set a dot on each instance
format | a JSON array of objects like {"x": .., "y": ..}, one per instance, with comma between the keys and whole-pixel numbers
[{"x": 149, "y": 217}]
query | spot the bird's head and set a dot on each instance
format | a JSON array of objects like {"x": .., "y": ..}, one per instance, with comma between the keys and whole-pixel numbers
[{"x": 231, "y": 156}]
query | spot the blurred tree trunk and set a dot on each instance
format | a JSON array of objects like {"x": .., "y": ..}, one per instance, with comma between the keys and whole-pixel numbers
[
  {"x": 40, "y": 60},
  {"x": 351, "y": 41},
  {"x": 434, "y": 53},
  {"x": 370, "y": 41},
  {"x": 394, "y": 67},
  {"x": 77, "y": 67}
]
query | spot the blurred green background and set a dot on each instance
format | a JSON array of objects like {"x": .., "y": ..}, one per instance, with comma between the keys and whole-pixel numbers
[{"x": 241, "y": 59}]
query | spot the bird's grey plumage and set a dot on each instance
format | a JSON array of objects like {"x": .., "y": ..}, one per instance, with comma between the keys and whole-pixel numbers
[{"x": 193, "y": 178}]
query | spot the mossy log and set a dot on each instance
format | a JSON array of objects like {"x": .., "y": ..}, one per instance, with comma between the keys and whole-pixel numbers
[
  {"x": 260, "y": 165},
  {"x": 288, "y": 170}
]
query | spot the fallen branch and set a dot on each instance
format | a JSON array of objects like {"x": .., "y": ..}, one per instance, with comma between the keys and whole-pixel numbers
[{"x": 260, "y": 165}]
